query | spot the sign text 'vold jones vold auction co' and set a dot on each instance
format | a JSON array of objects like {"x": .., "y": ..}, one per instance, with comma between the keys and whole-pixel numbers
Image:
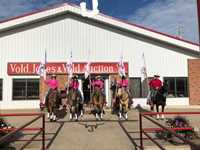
[{"x": 30, "y": 68}]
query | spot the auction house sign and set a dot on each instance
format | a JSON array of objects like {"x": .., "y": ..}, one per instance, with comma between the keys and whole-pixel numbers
[{"x": 30, "y": 68}]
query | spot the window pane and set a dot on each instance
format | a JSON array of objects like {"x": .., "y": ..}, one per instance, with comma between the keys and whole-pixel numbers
[
  {"x": 19, "y": 90},
  {"x": 33, "y": 89},
  {"x": 25, "y": 89},
  {"x": 181, "y": 87},
  {"x": 135, "y": 87},
  {"x": 171, "y": 86},
  {"x": 1, "y": 88},
  {"x": 177, "y": 86}
]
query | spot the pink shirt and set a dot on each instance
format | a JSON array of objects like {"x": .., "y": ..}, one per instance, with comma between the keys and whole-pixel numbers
[
  {"x": 98, "y": 84},
  {"x": 74, "y": 85},
  {"x": 52, "y": 83},
  {"x": 123, "y": 83}
]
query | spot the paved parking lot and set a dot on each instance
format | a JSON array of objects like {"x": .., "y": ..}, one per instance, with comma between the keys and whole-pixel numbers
[{"x": 89, "y": 134}]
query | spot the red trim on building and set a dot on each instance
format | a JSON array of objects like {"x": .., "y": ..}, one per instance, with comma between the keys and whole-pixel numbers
[
  {"x": 73, "y": 5},
  {"x": 30, "y": 68}
]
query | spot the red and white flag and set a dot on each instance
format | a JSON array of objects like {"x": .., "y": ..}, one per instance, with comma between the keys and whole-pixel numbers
[{"x": 69, "y": 66}]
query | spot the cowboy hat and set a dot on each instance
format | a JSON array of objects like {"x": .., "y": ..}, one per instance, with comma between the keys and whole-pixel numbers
[
  {"x": 75, "y": 77},
  {"x": 53, "y": 75},
  {"x": 98, "y": 77},
  {"x": 156, "y": 75}
]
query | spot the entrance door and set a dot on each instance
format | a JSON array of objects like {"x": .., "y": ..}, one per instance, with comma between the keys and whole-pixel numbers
[{"x": 86, "y": 90}]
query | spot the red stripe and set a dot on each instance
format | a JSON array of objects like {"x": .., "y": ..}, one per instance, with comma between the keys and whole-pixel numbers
[
  {"x": 173, "y": 129},
  {"x": 25, "y": 129},
  {"x": 171, "y": 113},
  {"x": 21, "y": 114}
]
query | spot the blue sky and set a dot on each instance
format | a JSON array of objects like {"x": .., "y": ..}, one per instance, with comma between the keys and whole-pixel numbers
[{"x": 161, "y": 15}]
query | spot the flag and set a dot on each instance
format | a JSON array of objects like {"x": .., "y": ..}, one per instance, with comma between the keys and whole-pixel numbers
[
  {"x": 42, "y": 67},
  {"x": 143, "y": 70},
  {"x": 87, "y": 66},
  {"x": 69, "y": 66},
  {"x": 121, "y": 67}
]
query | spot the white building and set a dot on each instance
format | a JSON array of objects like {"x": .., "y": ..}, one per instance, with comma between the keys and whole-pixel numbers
[{"x": 59, "y": 30}]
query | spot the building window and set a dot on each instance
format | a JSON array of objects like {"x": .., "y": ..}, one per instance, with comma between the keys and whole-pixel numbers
[
  {"x": 1, "y": 89},
  {"x": 24, "y": 89},
  {"x": 135, "y": 87},
  {"x": 177, "y": 86}
]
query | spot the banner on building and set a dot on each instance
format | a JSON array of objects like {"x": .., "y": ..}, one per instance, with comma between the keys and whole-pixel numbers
[{"x": 23, "y": 68}]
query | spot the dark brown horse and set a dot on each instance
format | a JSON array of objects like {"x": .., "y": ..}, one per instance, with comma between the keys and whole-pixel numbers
[
  {"x": 98, "y": 101},
  {"x": 122, "y": 98},
  {"x": 75, "y": 104},
  {"x": 159, "y": 99},
  {"x": 52, "y": 104}
]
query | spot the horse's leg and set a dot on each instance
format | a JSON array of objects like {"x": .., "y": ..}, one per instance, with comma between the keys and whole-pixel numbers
[
  {"x": 120, "y": 110},
  {"x": 101, "y": 110},
  {"x": 163, "y": 109},
  {"x": 126, "y": 110},
  {"x": 157, "y": 109},
  {"x": 152, "y": 104}
]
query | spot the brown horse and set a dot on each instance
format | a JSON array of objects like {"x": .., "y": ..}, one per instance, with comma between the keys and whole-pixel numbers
[
  {"x": 123, "y": 99},
  {"x": 52, "y": 104},
  {"x": 98, "y": 101},
  {"x": 75, "y": 104}
]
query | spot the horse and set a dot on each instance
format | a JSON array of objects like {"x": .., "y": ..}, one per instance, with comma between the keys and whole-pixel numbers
[
  {"x": 122, "y": 98},
  {"x": 98, "y": 101},
  {"x": 52, "y": 104},
  {"x": 159, "y": 99},
  {"x": 75, "y": 102}
]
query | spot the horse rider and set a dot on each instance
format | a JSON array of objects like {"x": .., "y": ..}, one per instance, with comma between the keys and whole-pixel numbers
[
  {"x": 52, "y": 84},
  {"x": 155, "y": 84},
  {"x": 97, "y": 85},
  {"x": 124, "y": 84},
  {"x": 74, "y": 85}
]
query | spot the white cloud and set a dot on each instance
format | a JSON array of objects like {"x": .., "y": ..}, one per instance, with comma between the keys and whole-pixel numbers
[{"x": 166, "y": 15}]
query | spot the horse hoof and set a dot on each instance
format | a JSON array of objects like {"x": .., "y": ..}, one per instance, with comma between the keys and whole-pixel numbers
[
  {"x": 126, "y": 116},
  {"x": 157, "y": 116}
]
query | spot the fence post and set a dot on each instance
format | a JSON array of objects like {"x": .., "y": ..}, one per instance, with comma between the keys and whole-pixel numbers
[
  {"x": 43, "y": 131},
  {"x": 141, "y": 138}
]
